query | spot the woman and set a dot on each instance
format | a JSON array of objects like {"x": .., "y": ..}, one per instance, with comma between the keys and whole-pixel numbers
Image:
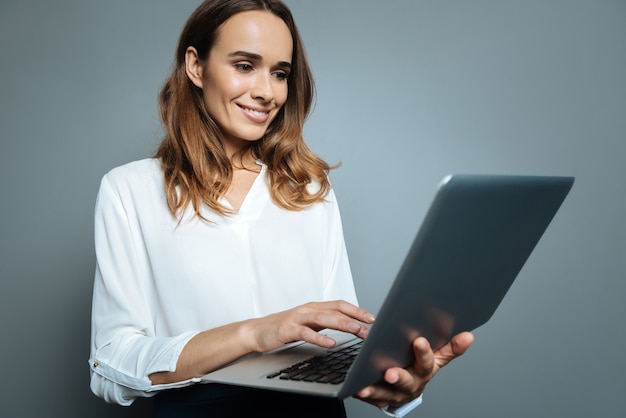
[{"x": 229, "y": 240}]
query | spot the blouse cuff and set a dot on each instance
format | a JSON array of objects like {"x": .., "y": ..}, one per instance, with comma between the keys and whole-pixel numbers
[
  {"x": 143, "y": 384},
  {"x": 403, "y": 410},
  {"x": 154, "y": 355}
]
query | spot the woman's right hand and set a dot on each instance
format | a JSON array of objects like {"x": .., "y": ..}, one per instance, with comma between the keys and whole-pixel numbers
[
  {"x": 303, "y": 322},
  {"x": 214, "y": 348}
]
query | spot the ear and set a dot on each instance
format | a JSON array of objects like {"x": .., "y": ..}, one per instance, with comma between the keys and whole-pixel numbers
[{"x": 193, "y": 66}]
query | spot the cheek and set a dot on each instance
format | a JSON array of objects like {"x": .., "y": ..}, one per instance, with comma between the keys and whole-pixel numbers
[
  {"x": 281, "y": 95},
  {"x": 234, "y": 86},
  {"x": 224, "y": 88}
]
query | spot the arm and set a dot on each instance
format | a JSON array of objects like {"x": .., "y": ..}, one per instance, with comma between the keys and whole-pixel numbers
[
  {"x": 124, "y": 345},
  {"x": 130, "y": 355},
  {"x": 211, "y": 349}
]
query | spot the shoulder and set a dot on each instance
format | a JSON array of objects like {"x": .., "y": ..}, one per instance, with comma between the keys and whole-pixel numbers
[
  {"x": 135, "y": 170},
  {"x": 136, "y": 179},
  {"x": 136, "y": 173}
]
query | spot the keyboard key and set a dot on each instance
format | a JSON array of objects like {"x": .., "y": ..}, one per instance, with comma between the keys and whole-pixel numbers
[{"x": 330, "y": 367}]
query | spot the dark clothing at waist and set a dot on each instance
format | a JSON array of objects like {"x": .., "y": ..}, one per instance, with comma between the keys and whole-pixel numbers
[{"x": 225, "y": 401}]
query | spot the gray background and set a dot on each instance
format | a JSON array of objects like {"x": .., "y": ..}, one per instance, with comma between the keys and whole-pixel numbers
[{"x": 408, "y": 91}]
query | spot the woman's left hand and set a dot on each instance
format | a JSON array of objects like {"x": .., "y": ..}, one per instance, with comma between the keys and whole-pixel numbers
[{"x": 402, "y": 385}]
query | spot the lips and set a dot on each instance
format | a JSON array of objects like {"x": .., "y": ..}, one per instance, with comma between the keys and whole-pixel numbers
[
  {"x": 254, "y": 111},
  {"x": 257, "y": 115}
]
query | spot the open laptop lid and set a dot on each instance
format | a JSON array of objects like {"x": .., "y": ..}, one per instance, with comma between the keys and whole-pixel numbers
[
  {"x": 477, "y": 235},
  {"x": 474, "y": 240}
]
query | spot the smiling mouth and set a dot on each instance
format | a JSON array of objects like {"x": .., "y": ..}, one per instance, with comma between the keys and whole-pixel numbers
[{"x": 254, "y": 111}]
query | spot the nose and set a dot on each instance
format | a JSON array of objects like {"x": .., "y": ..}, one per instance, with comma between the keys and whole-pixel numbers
[{"x": 262, "y": 88}]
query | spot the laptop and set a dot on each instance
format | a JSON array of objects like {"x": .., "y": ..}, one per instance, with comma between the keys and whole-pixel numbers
[{"x": 476, "y": 237}]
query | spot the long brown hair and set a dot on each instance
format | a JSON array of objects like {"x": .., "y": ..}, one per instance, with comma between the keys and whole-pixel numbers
[{"x": 196, "y": 168}]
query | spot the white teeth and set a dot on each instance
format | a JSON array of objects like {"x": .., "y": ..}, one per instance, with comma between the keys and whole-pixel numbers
[{"x": 255, "y": 112}]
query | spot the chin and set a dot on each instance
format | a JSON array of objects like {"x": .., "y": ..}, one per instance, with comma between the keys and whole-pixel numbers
[{"x": 253, "y": 136}]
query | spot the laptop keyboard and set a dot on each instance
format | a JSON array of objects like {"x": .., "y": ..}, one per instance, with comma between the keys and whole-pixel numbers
[{"x": 330, "y": 367}]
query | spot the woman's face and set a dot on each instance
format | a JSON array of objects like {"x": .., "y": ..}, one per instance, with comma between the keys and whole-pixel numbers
[{"x": 244, "y": 79}]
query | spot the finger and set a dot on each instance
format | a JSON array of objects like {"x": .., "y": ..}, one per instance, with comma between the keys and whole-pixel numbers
[
  {"x": 453, "y": 349},
  {"x": 379, "y": 396},
  {"x": 401, "y": 379},
  {"x": 424, "y": 357},
  {"x": 341, "y": 322},
  {"x": 314, "y": 337},
  {"x": 462, "y": 342},
  {"x": 352, "y": 311},
  {"x": 337, "y": 315},
  {"x": 399, "y": 387}
]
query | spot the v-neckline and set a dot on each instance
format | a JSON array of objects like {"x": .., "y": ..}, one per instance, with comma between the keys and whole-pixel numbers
[{"x": 250, "y": 194}]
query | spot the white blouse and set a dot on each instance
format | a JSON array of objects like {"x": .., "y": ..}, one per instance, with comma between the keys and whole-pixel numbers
[{"x": 159, "y": 282}]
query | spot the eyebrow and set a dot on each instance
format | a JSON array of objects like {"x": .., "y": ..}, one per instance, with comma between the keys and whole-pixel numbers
[{"x": 257, "y": 57}]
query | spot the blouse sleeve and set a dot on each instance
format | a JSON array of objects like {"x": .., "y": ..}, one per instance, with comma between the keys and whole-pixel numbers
[{"x": 124, "y": 347}]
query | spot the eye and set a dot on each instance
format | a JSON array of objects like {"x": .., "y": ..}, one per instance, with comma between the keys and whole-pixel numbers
[
  {"x": 243, "y": 66},
  {"x": 281, "y": 75}
]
